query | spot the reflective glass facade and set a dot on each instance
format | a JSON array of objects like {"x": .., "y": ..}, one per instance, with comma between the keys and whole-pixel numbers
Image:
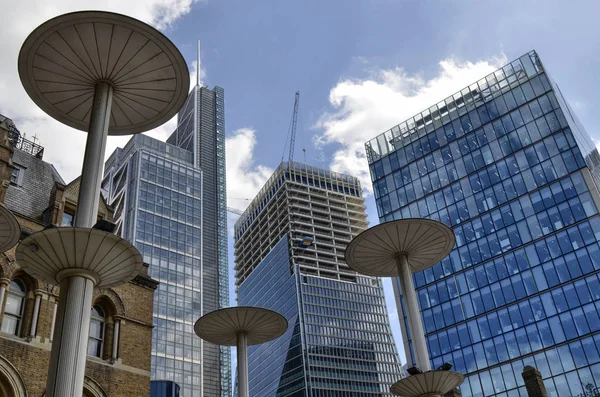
[
  {"x": 350, "y": 350},
  {"x": 156, "y": 192},
  {"x": 163, "y": 388},
  {"x": 506, "y": 164},
  {"x": 273, "y": 286},
  {"x": 339, "y": 341},
  {"x": 201, "y": 131}
]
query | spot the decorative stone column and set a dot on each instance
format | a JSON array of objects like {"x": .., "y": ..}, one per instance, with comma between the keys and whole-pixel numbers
[
  {"x": 115, "y": 341},
  {"x": 3, "y": 284},
  {"x": 36, "y": 312},
  {"x": 54, "y": 305},
  {"x": 533, "y": 382}
]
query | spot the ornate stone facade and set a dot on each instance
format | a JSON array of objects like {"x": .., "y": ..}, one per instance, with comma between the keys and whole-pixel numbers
[{"x": 119, "y": 358}]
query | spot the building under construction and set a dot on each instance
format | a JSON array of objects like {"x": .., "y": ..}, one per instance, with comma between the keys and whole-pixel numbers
[
  {"x": 305, "y": 202},
  {"x": 289, "y": 250}
]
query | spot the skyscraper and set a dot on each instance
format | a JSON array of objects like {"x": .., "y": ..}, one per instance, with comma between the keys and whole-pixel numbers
[
  {"x": 201, "y": 131},
  {"x": 506, "y": 164},
  {"x": 289, "y": 249},
  {"x": 156, "y": 193}
]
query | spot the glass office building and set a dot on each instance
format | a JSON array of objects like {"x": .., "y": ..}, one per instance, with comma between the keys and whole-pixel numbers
[
  {"x": 201, "y": 131},
  {"x": 156, "y": 193},
  {"x": 289, "y": 249},
  {"x": 164, "y": 388},
  {"x": 506, "y": 164}
]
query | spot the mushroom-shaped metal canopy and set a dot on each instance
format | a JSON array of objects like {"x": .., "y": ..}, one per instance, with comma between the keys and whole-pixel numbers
[
  {"x": 427, "y": 384},
  {"x": 9, "y": 229},
  {"x": 221, "y": 327},
  {"x": 52, "y": 254},
  {"x": 62, "y": 60},
  {"x": 424, "y": 242}
]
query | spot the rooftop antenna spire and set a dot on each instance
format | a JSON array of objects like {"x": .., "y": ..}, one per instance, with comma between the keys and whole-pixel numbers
[{"x": 198, "y": 66}]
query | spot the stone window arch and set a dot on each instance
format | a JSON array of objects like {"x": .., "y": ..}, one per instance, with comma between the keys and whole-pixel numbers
[
  {"x": 97, "y": 332},
  {"x": 19, "y": 302},
  {"x": 102, "y": 338},
  {"x": 91, "y": 388},
  {"x": 11, "y": 383},
  {"x": 14, "y": 309}
]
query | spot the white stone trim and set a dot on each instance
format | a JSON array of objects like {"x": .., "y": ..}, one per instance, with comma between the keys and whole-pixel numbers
[
  {"x": 34, "y": 319},
  {"x": 115, "y": 346},
  {"x": 10, "y": 373},
  {"x": 118, "y": 365},
  {"x": 93, "y": 387}
]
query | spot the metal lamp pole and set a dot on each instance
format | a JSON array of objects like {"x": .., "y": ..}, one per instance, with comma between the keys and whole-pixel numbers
[
  {"x": 385, "y": 250},
  {"x": 81, "y": 258},
  {"x": 414, "y": 318},
  {"x": 241, "y": 326},
  {"x": 66, "y": 371},
  {"x": 242, "y": 361}
]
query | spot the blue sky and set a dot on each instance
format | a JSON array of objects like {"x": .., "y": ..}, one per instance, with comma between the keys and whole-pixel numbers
[
  {"x": 262, "y": 52},
  {"x": 361, "y": 67}
]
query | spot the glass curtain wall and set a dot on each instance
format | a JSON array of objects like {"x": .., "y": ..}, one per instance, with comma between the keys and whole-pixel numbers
[
  {"x": 201, "y": 131},
  {"x": 290, "y": 247},
  {"x": 156, "y": 193},
  {"x": 506, "y": 165},
  {"x": 276, "y": 368},
  {"x": 168, "y": 236}
]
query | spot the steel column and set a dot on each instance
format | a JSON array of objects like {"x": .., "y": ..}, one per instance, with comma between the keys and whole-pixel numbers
[
  {"x": 242, "y": 362},
  {"x": 69, "y": 346},
  {"x": 414, "y": 317}
]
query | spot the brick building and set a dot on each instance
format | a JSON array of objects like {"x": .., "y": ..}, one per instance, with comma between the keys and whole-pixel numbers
[{"x": 120, "y": 340}]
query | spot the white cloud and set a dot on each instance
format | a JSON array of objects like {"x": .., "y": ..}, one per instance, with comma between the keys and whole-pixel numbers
[
  {"x": 64, "y": 146},
  {"x": 244, "y": 177},
  {"x": 363, "y": 109}
]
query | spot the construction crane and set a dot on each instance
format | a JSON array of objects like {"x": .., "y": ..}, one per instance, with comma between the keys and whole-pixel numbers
[
  {"x": 292, "y": 131},
  {"x": 235, "y": 211}
]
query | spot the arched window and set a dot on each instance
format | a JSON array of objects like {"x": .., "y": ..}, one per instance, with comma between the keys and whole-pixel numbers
[
  {"x": 13, "y": 311},
  {"x": 97, "y": 325}
]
